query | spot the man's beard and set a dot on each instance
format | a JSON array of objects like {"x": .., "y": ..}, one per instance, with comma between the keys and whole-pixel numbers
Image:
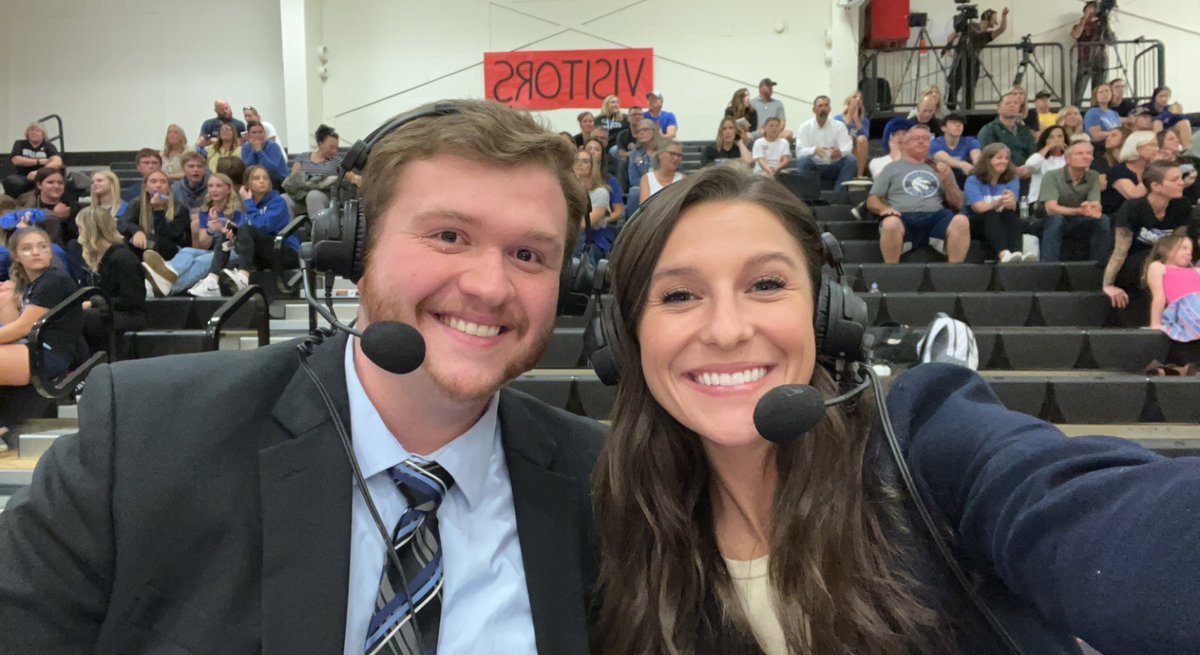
[{"x": 380, "y": 309}]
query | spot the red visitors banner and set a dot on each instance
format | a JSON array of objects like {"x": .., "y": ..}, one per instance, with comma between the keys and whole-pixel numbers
[{"x": 568, "y": 79}]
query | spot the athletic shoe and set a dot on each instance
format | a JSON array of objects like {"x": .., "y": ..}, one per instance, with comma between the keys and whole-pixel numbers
[
  {"x": 1010, "y": 258},
  {"x": 239, "y": 278},
  {"x": 159, "y": 273},
  {"x": 1030, "y": 257},
  {"x": 206, "y": 288}
]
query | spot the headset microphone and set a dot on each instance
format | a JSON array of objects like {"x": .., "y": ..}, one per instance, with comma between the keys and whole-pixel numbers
[{"x": 791, "y": 410}]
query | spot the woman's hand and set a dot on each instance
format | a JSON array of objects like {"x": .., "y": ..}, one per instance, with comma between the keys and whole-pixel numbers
[
  {"x": 158, "y": 200},
  {"x": 61, "y": 210},
  {"x": 1008, "y": 200},
  {"x": 139, "y": 240},
  {"x": 1116, "y": 296},
  {"x": 245, "y": 193},
  {"x": 295, "y": 167},
  {"x": 214, "y": 221},
  {"x": 7, "y": 288}
]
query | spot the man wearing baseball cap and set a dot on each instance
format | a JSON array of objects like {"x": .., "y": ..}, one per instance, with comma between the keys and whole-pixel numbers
[
  {"x": 667, "y": 124},
  {"x": 768, "y": 107}
]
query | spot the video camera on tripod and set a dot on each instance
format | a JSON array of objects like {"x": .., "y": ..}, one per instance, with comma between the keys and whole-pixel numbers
[
  {"x": 1103, "y": 8},
  {"x": 968, "y": 12},
  {"x": 1026, "y": 44}
]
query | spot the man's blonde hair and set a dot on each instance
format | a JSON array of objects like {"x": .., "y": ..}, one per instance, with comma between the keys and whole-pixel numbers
[{"x": 480, "y": 131}]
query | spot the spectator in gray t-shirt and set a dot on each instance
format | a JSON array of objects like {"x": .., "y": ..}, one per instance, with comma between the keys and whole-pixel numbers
[
  {"x": 917, "y": 202},
  {"x": 767, "y": 107}
]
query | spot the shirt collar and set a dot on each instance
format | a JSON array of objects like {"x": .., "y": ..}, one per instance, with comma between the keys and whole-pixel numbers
[{"x": 467, "y": 457}]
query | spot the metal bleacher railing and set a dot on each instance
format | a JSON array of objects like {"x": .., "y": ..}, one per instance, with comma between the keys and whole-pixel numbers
[{"x": 894, "y": 79}]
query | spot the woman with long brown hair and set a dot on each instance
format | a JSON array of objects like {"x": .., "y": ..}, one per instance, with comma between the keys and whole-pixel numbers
[
  {"x": 742, "y": 112},
  {"x": 714, "y": 540}
]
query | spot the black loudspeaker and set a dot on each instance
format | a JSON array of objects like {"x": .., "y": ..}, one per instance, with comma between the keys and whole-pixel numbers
[
  {"x": 839, "y": 323},
  {"x": 339, "y": 233}
]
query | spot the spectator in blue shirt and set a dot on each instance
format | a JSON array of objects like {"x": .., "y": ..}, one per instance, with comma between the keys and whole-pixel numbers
[
  {"x": 955, "y": 150},
  {"x": 208, "y": 129},
  {"x": 258, "y": 151},
  {"x": 1101, "y": 120},
  {"x": 665, "y": 120},
  {"x": 991, "y": 196}
]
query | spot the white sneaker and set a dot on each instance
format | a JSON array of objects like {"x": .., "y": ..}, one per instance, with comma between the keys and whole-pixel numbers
[
  {"x": 206, "y": 288},
  {"x": 240, "y": 278},
  {"x": 1030, "y": 258},
  {"x": 1010, "y": 258}
]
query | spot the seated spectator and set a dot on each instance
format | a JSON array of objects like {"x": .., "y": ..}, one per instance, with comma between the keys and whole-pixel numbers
[
  {"x": 1140, "y": 223},
  {"x": 616, "y": 200},
  {"x": 665, "y": 170},
  {"x": 824, "y": 146},
  {"x": 226, "y": 144},
  {"x": 953, "y": 149},
  {"x": 104, "y": 194},
  {"x": 36, "y": 286},
  {"x": 1170, "y": 150},
  {"x": 893, "y": 135},
  {"x": 743, "y": 113},
  {"x": 727, "y": 148},
  {"x": 1166, "y": 118},
  {"x": 29, "y": 155},
  {"x": 1072, "y": 119},
  {"x": 190, "y": 265},
  {"x": 641, "y": 159},
  {"x": 1008, "y": 129},
  {"x": 991, "y": 195},
  {"x": 314, "y": 174},
  {"x": 210, "y": 129},
  {"x": 175, "y": 144},
  {"x": 1071, "y": 197},
  {"x": 586, "y": 123},
  {"x": 623, "y": 143},
  {"x": 611, "y": 117},
  {"x": 596, "y": 230},
  {"x": 154, "y": 221},
  {"x": 234, "y": 168},
  {"x": 1121, "y": 104},
  {"x": 1125, "y": 179},
  {"x": 770, "y": 152},
  {"x": 1174, "y": 284},
  {"x": 258, "y": 151},
  {"x": 1141, "y": 119},
  {"x": 49, "y": 195},
  {"x": 117, "y": 271},
  {"x": 926, "y": 113},
  {"x": 148, "y": 160},
  {"x": 859, "y": 127},
  {"x": 1111, "y": 156},
  {"x": 1041, "y": 110},
  {"x": 1101, "y": 119},
  {"x": 766, "y": 106},
  {"x": 668, "y": 126},
  {"x": 1051, "y": 155},
  {"x": 252, "y": 236},
  {"x": 189, "y": 191},
  {"x": 252, "y": 116},
  {"x": 917, "y": 203}
]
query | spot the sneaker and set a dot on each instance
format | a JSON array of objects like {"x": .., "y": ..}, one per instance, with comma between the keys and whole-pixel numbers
[
  {"x": 206, "y": 288},
  {"x": 240, "y": 278},
  {"x": 859, "y": 211},
  {"x": 1030, "y": 257},
  {"x": 1011, "y": 257},
  {"x": 159, "y": 273}
]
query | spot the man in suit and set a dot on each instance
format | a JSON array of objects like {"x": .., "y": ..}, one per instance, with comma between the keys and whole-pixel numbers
[{"x": 207, "y": 503}]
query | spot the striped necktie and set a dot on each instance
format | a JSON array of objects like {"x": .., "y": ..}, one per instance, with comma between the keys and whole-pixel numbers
[{"x": 392, "y": 630}]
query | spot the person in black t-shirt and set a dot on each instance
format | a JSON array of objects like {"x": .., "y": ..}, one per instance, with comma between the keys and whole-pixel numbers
[
  {"x": 1143, "y": 221},
  {"x": 49, "y": 195},
  {"x": 623, "y": 143},
  {"x": 964, "y": 72},
  {"x": 728, "y": 147},
  {"x": 36, "y": 287},
  {"x": 28, "y": 156},
  {"x": 113, "y": 267}
]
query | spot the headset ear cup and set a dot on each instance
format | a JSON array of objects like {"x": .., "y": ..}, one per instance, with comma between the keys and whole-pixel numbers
[
  {"x": 359, "y": 248},
  {"x": 821, "y": 316}
]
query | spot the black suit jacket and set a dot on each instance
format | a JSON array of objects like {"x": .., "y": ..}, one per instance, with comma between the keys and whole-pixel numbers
[{"x": 205, "y": 506}]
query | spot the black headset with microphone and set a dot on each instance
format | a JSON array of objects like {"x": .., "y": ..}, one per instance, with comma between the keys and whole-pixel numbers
[{"x": 787, "y": 412}]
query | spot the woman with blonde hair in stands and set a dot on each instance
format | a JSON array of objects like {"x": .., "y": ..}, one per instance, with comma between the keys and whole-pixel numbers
[
  {"x": 155, "y": 221},
  {"x": 1173, "y": 279},
  {"x": 1072, "y": 120},
  {"x": 1125, "y": 179},
  {"x": 106, "y": 193},
  {"x": 228, "y": 144},
  {"x": 221, "y": 206},
  {"x": 859, "y": 126},
  {"x": 174, "y": 145},
  {"x": 727, "y": 148},
  {"x": 610, "y": 116},
  {"x": 113, "y": 267}
]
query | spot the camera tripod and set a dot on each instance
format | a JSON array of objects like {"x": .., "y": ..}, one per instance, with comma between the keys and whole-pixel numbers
[{"x": 1030, "y": 60}]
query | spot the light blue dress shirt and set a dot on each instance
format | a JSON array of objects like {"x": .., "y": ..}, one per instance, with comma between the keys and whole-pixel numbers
[{"x": 485, "y": 600}]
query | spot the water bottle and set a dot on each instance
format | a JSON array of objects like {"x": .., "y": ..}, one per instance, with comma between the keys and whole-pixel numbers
[{"x": 1024, "y": 208}]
